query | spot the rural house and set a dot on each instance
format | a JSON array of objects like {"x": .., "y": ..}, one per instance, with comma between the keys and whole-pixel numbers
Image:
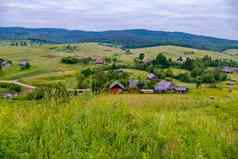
[
  {"x": 24, "y": 64},
  {"x": 164, "y": 86},
  {"x": 228, "y": 69},
  {"x": 100, "y": 61},
  {"x": 4, "y": 63},
  {"x": 180, "y": 89},
  {"x": 133, "y": 85},
  {"x": 116, "y": 87},
  {"x": 151, "y": 77}
]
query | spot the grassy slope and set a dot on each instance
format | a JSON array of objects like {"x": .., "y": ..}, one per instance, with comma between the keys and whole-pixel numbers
[
  {"x": 175, "y": 52},
  {"x": 46, "y": 63},
  {"x": 202, "y": 124},
  {"x": 48, "y": 69}
]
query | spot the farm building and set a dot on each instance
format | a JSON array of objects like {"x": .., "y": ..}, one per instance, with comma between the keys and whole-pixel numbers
[
  {"x": 100, "y": 61},
  {"x": 180, "y": 89},
  {"x": 24, "y": 64},
  {"x": 9, "y": 95},
  {"x": 116, "y": 87},
  {"x": 147, "y": 61},
  {"x": 133, "y": 85},
  {"x": 151, "y": 77},
  {"x": 4, "y": 63},
  {"x": 164, "y": 86},
  {"x": 228, "y": 69}
]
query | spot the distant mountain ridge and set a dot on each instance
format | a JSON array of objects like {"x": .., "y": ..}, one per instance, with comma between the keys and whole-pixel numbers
[{"x": 136, "y": 38}]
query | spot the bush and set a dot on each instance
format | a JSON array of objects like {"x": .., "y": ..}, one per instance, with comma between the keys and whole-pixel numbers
[
  {"x": 69, "y": 60},
  {"x": 184, "y": 77},
  {"x": 52, "y": 93},
  {"x": 11, "y": 87}
]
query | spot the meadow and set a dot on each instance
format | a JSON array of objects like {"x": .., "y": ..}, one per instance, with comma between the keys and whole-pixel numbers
[
  {"x": 199, "y": 125},
  {"x": 47, "y": 68}
]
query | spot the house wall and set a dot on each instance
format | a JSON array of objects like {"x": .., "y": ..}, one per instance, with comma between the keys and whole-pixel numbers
[{"x": 116, "y": 90}]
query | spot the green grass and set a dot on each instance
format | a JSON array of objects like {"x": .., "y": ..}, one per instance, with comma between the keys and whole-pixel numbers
[
  {"x": 202, "y": 124},
  {"x": 175, "y": 52},
  {"x": 47, "y": 68}
]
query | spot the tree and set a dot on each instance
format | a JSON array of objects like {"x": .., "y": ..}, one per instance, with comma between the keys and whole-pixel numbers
[
  {"x": 188, "y": 64},
  {"x": 184, "y": 77},
  {"x": 69, "y": 60},
  {"x": 197, "y": 71},
  {"x": 87, "y": 72},
  {"x": 114, "y": 62},
  {"x": 162, "y": 60},
  {"x": 180, "y": 59},
  {"x": 141, "y": 57},
  {"x": 198, "y": 82},
  {"x": 208, "y": 77}
]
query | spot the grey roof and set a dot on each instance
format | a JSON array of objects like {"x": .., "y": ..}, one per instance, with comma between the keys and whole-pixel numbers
[
  {"x": 164, "y": 86},
  {"x": 4, "y": 63},
  {"x": 23, "y": 62},
  {"x": 133, "y": 83},
  {"x": 151, "y": 76},
  {"x": 117, "y": 83},
  {"x": 181, "y": 88},
  {"x": 228, "y": 69}
]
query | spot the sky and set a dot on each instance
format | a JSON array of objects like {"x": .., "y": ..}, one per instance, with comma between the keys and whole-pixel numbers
[{"x": 218, "y": 18}]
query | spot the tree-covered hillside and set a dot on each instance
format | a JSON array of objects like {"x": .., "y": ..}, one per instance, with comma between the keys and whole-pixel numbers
[{"x": 125, "y": 38}]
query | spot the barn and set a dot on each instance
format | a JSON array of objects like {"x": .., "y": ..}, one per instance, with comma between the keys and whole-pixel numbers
[{"x": 116, "y": 87}]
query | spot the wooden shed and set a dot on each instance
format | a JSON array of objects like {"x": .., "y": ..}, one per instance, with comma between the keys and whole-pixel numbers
[{"x": 116, "y": 87}]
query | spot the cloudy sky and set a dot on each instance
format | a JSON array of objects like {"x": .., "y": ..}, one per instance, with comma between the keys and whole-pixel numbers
[{"x": 208, "y": 17}]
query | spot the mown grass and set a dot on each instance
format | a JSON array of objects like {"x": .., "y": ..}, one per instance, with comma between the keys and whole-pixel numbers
[{"x": 123, "y": 126}]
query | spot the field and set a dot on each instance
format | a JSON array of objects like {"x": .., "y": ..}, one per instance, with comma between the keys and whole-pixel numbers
[
  {"x": 199, "y": 125},
  {"x": 202, "y": 124}
]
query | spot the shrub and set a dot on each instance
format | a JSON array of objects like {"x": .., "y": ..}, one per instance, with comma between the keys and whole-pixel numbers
[
  {"x": 11, "y": 87},
  {"x": 69, "y": 60}
]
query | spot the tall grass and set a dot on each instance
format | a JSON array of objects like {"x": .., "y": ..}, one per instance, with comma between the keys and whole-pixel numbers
[{"x": 108, "y": 127}]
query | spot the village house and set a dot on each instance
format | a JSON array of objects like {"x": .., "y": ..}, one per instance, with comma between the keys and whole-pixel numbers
[
  {"x": 4, "y": 63},
  {"x": 147, "y": 61},
  {"x": 9, "y": 95},
  {"x": 164, "y": 86},
  {"x": 228, "y": 69},
  {"x": 151, "y": 77},
  {"x": 100, "y": 61},
  {"x": 180, "y": 89},
  {"x": 133, "y": 85},
  {"x": 24, "y": 64},
  {"x": 116, "y": 87}
]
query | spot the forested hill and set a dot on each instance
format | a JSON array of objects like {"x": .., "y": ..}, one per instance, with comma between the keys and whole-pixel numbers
[{"x": 125, "y": 38}]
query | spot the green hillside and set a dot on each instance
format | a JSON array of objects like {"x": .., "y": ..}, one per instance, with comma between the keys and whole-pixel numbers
[
  {"x": 135, "y": 38},
  {"x": 50, "y": 123}
]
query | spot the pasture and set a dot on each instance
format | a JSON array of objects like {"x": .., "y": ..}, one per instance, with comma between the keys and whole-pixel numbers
[{"x": 201, "y": 124}]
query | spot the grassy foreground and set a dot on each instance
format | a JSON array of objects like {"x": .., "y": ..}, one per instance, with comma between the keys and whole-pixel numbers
[{"x": 202, "y": 124}]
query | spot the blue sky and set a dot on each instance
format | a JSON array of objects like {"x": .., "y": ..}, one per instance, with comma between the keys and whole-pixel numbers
[{"x": 207, "y": 17}]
